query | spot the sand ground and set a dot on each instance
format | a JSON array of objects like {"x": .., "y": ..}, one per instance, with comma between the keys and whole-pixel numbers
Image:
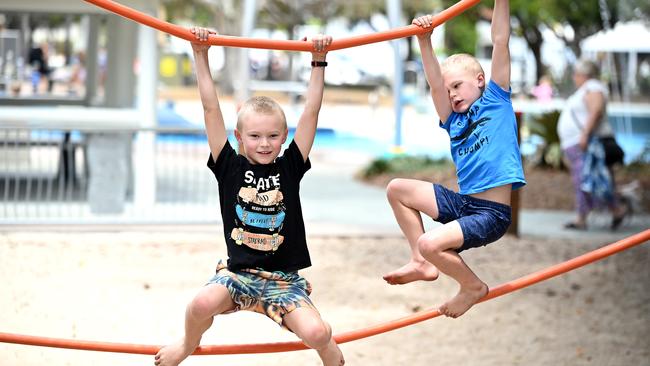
[{"x": 132, "y": 287}]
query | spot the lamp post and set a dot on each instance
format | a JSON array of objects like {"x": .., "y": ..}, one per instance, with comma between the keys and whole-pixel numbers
[{"x": 394, "y": 8}]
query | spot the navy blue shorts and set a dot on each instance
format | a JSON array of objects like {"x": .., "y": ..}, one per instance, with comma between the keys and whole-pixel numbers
[{"x": 481, "y": 221}]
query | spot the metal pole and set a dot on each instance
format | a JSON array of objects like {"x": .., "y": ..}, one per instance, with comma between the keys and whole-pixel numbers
[
  {"x": 144, "y": 194},
  {"x": 92, "y": 55},
  {"x": 243, "y": 90},
  {"x": 394, "y": 15}
]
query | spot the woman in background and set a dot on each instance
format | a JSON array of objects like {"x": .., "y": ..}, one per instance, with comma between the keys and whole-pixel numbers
[{"x": 585, "y": 117}]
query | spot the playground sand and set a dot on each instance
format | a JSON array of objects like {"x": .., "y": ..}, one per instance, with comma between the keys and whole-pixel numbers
[{"x": 132, "y": 287}]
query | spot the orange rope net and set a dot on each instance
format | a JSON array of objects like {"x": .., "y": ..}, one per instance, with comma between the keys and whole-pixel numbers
[
  {"x": 501, "y": 290},
  {"x": 231, "y": 41}
]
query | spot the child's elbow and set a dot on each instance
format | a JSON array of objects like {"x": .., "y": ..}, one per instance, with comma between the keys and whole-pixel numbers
[
  {"x": 209, "y": 109},
  {"x": 500, "y": 40}
]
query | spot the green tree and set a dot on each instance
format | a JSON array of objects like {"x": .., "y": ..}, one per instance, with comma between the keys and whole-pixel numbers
[
  {"x": 223, "y": 15},
  {"x": 357, "y": 11},
  {"x": 460, "y": 31},
  {"x": 288, "y": 14},
  {"x": 528, "y": 15},
  {"x": 572, "y": 21},
  {"x": 196, "y": 11},
  {"x": 584, "y": 18}
]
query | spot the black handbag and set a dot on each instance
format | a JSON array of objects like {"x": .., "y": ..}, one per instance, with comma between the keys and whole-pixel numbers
[{"x": 613, "y": 152}]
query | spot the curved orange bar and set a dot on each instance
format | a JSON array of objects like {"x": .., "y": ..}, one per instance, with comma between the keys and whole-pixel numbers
[
  {"x": 501, "y": 290},
  {"x": 230, "y": 41}
]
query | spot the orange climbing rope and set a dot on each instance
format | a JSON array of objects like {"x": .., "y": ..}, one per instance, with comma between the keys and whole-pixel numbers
[
  {"x": 231, "y": 41},
  {"x": 503, "y": 289}
]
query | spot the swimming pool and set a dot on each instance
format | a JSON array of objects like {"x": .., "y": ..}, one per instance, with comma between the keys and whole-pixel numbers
[
  {"x": 356, "y": 129},
  {"x": 326, "y": 138}
]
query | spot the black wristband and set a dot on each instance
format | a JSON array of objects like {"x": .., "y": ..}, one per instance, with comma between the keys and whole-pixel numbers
[{"x": 318, "y": 63}]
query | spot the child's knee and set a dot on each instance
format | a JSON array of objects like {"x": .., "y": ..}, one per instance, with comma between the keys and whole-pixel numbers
[
  {"x": 425, "y": 246},
  {"x": 317, "y": 335},
  {"x": 201, "y": 307},
  {"x": 395, "y": 187},
  {"x": 430, "y": 245}
]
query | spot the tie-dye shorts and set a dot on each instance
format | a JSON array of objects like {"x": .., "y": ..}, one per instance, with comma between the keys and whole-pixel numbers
[{"x": 273, "y": 294}]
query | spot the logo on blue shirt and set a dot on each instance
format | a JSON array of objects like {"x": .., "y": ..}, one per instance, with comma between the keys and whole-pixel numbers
[{"x": 471, "y": 126}]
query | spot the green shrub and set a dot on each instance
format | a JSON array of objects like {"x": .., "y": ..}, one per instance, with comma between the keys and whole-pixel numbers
[
  {"x": 402, "y": 164},
  {"x": 545, "y": 126}
]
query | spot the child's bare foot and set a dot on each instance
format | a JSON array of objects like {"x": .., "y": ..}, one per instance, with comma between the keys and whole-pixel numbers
[
  {"x": 173, "y": 354},
  {"x": 464, "y": 300},
  {"x": 412, "y": 271}
]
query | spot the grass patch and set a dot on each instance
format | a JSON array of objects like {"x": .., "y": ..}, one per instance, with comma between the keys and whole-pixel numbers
[{"x": 403, "y": 165}]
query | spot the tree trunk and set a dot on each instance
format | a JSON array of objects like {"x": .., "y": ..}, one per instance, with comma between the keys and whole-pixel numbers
[
  {"x": 228, "y": 17},
  {"x": 292, "y": 75},
  {"x": 534, "y": 40},
  {"x": 228, "y": 75}
]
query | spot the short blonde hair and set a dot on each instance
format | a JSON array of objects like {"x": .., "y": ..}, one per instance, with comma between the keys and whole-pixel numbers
[
  {"x": 260, "y": 105},
  {"x": 462, "y": 61}
]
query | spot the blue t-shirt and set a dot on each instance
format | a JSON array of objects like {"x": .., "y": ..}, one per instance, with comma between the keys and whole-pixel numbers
[{"x": 484, "y": 143}]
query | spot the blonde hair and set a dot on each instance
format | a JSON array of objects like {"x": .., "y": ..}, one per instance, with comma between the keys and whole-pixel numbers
[
  {"x": 260, "y": 105},
  {"x": 462, "y": 61}
]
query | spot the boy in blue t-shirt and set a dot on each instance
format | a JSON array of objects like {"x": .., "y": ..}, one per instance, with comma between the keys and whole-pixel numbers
[{"x": 481, "y": 123}]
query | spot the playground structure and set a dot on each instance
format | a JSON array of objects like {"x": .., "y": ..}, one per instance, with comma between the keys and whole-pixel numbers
[
  {"x": 501, "y": 290},
  {"x": 129, "y": 109},
  {"x": 127, "y": 99},
  {"x": 349, "y": 336},
  {"x": 231, "y": 41}
]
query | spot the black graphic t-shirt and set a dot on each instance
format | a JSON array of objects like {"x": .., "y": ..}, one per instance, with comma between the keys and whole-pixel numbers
[{"x": 261, "y": 211}]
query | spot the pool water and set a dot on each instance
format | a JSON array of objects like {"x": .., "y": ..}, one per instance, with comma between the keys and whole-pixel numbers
[
  {"x": 632, "y": 133},
  {"x": 329, "y": 139}
]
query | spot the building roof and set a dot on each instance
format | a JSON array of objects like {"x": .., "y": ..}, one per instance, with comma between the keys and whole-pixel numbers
[
  {"x": 66, "y": 6},
  {"x": 625, "y": 37}
]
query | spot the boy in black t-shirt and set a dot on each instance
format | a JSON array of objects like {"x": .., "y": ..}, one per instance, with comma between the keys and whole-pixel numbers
[{"x": 262, "y": 217}]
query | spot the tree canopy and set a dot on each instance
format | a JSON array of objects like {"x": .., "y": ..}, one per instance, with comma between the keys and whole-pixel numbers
[{"x": 570, "y": 20}]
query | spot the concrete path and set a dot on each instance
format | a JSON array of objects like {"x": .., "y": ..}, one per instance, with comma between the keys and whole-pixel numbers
[{"x": 335, "y": 203}]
